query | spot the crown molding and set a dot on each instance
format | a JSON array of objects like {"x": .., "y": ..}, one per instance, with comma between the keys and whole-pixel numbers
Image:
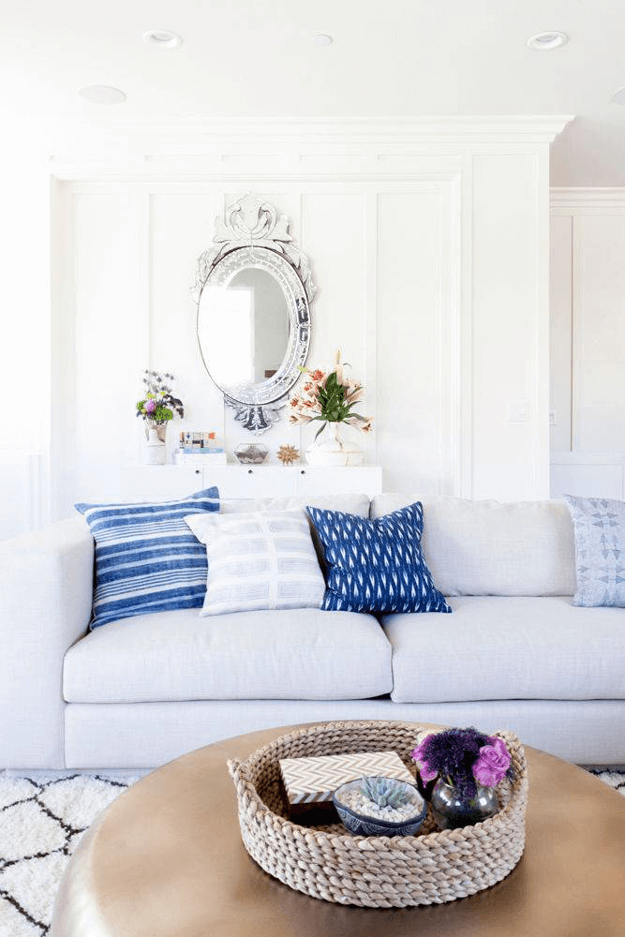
[
  {"x": 175, "y": 136},
  {"x": 587, "y": 198}
]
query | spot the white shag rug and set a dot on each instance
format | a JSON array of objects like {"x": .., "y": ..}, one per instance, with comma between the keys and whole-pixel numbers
[{"x": 42, "y": 818}]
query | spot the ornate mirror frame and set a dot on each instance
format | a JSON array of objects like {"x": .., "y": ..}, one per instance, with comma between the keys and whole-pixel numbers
[{"x": 249, "y": 224}]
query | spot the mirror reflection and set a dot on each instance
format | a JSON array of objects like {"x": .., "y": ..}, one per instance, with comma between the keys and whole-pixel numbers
[{"x": 244, "y": 326}]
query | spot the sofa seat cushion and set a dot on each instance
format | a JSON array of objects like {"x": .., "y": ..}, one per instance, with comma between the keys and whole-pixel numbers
[
  {"x": 498, "y": 648},
  {"x": 286, "y": 654}
]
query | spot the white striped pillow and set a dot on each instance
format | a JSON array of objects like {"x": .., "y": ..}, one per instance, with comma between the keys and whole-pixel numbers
[{"x": 261, "y": 560}]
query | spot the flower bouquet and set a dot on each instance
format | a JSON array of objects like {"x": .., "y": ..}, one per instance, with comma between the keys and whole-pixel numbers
[
  {"x": 467, "y": 766},
  {"x": 329, "y": 397},
  {"x": 158, "y": 405}
]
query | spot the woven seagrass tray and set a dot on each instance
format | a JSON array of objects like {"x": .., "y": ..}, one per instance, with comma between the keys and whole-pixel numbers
[{"x": 374, "y": 871}]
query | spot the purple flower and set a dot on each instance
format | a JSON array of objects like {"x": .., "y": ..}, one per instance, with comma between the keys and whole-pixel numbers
[
  {"x": 451, "y": 754},
  {"x": 150, "y": 406},
  {"x": 427, "y": 772},
  {"x": 492, "y": 763}
]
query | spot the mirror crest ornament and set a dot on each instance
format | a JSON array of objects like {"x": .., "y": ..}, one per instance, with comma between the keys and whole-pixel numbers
[{"x": 253, "y": 289}]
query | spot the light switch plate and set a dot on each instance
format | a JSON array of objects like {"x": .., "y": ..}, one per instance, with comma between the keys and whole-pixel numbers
[{"x": 518, "y": 411}]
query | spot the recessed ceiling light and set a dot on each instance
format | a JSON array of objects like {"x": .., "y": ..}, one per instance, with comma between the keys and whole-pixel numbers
[
  {"x": 547, "y": 41},
  {"x": 322, "y": 39},
  {"x": 102, "y": 94},
  {"x": 163, "y": 38},
  {"x": 619, "y": 96}
]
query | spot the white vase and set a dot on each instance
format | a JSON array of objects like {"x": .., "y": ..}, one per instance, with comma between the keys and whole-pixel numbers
[
  {"x": 155, "y": 450},
  {"x": 330, "y": 450}
]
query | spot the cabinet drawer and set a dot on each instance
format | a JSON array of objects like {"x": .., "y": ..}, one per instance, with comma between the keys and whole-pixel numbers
[
  {"x": 313, "y": 480},
  {"x": 252, "y": 481}
]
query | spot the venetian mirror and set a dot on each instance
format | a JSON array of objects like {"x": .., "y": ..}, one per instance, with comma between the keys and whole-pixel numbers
[{"x": 253, "y": 290}]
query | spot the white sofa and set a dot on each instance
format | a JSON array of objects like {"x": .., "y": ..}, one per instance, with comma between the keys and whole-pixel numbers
[{"x": 135, "y": 693}]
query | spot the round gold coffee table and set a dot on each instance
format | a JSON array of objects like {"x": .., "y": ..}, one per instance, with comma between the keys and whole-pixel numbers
[{"x": 166, "y": 860}]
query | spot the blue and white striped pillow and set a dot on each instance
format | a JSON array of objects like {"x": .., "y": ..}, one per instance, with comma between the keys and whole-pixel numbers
[
  {"x": 376, "y": 565},
  {"x": 146, "y": 558}
]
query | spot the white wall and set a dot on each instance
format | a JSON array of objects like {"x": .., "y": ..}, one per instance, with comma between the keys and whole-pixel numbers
[
  {"x": 430, "y": 251},
  {"x": 588, "y": 342},
  {"x": 24, "y": 329}
]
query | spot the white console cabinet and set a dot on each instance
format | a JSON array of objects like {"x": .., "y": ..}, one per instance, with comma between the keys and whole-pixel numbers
[{"x": 160, "y": 482}]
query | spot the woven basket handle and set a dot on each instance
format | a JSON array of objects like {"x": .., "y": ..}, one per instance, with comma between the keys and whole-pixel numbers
[{"x": 234, "y": 768}]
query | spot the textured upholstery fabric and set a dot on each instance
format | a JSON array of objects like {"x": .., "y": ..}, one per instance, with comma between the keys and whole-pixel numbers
[
  {"x": 147, "y": 559},
  {"x": 302, "y": 654},
  {"x": 509, "y": 647},
  {"x": 599, "y": 525},
  {"x": 376, "y": 566},
  {"x": 45, "y": 604},
  {"x": 261, "y": 560},
  {"x": 351, "y": 504},
  {"x": 491, "y": 548},
  {"x": 142, "y": 735}
]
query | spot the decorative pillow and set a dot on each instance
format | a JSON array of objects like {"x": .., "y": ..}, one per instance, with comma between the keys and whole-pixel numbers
[
  {"x": 377, "y": 565},
  {"x": 262, "y": 560},
  {"x": 146, "y": 558},
  {"x": 599, "y": 526}
]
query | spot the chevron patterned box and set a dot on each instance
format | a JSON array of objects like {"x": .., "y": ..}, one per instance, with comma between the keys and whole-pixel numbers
[{"x": 314, "y": 780}]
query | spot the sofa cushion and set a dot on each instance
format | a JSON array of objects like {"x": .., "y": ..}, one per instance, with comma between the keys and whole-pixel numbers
[
  {"x": 497, "y": 648},
  {"x": 256, "y": 561},
  {"x": 146, "y": 558},
  {"x": 302, "y": 654},
  {"x": 523, "y": 548},
  {"x": 376, "y": 566},
  {"x": 599, "y": 525},
  {"x": 351, "y": 504}
]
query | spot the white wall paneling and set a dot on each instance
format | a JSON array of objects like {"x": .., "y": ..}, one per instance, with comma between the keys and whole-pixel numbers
[
  {"x": 25, "y": 330},
  {"x": 429, "y": 247},
  {"x": 588, "y": 340}
]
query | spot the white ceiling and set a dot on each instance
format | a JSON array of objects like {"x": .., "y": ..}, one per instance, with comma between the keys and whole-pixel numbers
[{"x": 390, "y": 58}]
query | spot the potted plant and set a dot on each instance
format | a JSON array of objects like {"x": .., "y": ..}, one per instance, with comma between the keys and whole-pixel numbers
[
  {"x": 378, "y": 806},
  {"x": 467, "y": 766},
  {"x": 329, "y": 397},
  {"x": 156, "y": 409}
]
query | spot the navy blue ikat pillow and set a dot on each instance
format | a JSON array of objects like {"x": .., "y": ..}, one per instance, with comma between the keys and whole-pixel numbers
[{"x": 376, "y": 565}]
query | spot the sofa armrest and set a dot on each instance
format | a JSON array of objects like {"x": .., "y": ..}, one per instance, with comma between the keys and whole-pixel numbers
[{"x": 46, "y": 583}]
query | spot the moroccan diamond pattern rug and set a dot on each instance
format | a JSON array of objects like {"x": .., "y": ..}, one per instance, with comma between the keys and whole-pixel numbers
[{"x": 42, "y": 818}]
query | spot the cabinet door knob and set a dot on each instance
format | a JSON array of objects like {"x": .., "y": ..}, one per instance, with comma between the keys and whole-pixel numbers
[
  {"x": 302, "y": 471},
  {"x": 250, "y": 471},
  {"x": 197, "y": 471}
]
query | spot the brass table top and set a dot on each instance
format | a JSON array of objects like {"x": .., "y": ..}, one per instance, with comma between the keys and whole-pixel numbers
[{"x": 166, "y": 860}]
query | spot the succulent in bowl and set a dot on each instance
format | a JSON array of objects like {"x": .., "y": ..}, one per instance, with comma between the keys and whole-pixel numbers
[{"x": 380, "y": 807}]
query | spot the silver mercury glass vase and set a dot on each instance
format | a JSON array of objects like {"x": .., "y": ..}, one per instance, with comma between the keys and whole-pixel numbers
[{"x": 452, "y": 809}]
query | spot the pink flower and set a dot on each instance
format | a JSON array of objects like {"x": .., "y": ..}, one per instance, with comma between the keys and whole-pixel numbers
[
  {"x": 150, "y": 406},
  {"x": 427, "y": 773},
  {"x": 492, "y": 763}
]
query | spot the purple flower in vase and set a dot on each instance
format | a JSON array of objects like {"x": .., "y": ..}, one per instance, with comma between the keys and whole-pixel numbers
[
  {"x": 150, "y": 406},
  {"x": 419, "y": 754},
  {"x": 492, "y": 763}
]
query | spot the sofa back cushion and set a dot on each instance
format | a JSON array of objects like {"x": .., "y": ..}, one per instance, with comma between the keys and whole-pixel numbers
[{"x": 493, "y": 548}]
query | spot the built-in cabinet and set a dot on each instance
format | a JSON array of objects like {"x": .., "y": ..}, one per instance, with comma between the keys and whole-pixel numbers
[{"x": 160, "y": 482}]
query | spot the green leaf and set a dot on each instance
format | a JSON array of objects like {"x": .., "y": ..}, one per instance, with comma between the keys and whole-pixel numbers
[{"x": 320, "y": 430}]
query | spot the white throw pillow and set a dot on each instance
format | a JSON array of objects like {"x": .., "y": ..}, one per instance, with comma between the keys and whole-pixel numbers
[{"x": 261, "y": 560}]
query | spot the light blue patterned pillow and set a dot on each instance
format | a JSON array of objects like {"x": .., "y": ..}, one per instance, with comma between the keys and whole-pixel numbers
[
  {"x": 599, "y": 525},
  {"x": 146, "y": 558},
  {"x": 376, "y": 565}
]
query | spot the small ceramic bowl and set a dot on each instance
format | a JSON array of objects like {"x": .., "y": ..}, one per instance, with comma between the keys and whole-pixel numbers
[{"x": 373, "y": 826}]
